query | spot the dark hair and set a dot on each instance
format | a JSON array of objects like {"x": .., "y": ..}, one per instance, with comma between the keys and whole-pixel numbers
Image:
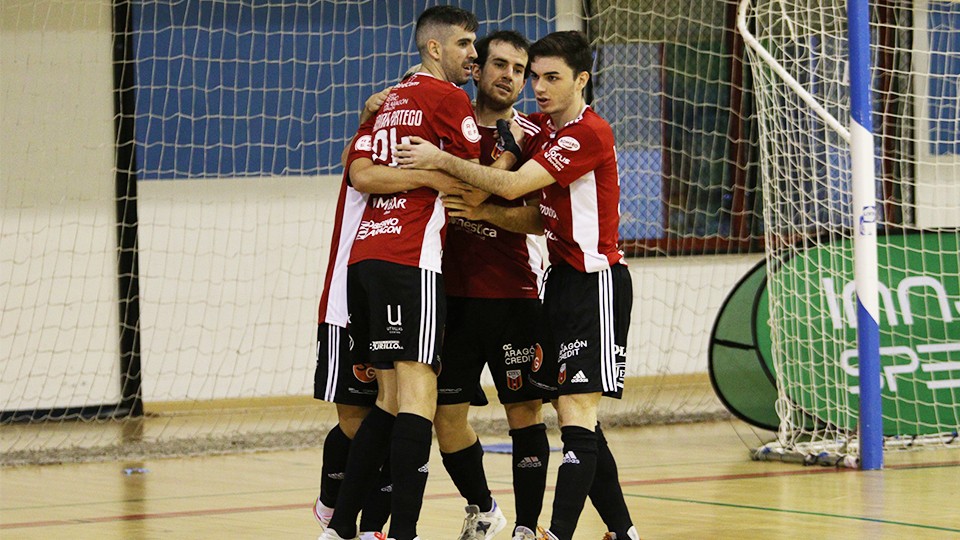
[
  {"x": 515, "y": 39},
  {"x": 445, "y": 16},
  {"x": 571, "y": 46}
]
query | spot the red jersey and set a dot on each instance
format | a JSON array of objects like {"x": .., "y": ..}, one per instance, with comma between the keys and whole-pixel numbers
[
  {"x": 482, "y": 260},
  {"x": 408, "y": 228},
  {"x": 350, "y": 206},
  {"x": 581, "y": 210}
]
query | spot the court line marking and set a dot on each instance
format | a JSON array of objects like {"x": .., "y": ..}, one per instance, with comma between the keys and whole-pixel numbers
[
  {"x": 795, "y": 512},
  {"x": 655, "y": 481}
]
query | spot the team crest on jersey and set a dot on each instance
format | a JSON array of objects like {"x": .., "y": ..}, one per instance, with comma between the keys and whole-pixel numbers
[
  {"x": 470, "y": 130},
  {"x": 514, "y": 379},
  {"x": 364, "y": 373},
  {"x": 563, "y": 374},
  {"x": 568, "y": 143},
  {"x": 364, "y": 143}
]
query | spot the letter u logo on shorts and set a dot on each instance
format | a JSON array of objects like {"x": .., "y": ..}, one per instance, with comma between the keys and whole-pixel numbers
[{"x": 390, "y": 318}]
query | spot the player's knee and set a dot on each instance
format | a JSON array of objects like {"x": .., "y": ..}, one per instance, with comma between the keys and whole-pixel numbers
[{"x": 525, "y": 414}]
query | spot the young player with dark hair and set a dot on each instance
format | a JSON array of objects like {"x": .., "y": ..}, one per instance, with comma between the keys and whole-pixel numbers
[
  {"x": 394, "y": 284},
  {"x": 492, "y": 268},
  {"x": 588, "y": 294}
]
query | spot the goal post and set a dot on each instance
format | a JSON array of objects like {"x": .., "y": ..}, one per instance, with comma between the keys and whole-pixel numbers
[
  {"x": 847, "y": 276},
  {"x": 181, "y": 273}
]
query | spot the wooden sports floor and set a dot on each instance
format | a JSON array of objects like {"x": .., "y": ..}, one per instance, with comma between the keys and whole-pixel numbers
[{"x": 687, "y": 481}]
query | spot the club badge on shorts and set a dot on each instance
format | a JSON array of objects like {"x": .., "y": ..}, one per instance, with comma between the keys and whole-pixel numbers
[{"x": 514, "y": 379}]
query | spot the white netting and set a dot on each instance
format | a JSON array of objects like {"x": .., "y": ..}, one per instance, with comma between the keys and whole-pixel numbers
[
  {"x": 237, "y": 112},
  {"x": 809, "y": 230}
]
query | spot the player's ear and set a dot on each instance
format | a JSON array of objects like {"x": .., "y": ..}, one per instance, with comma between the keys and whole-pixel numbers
[
  {"x": 582, "y": 78},
  {"x": 476, "y": 73},
  {"x": 433, "y": 49}
]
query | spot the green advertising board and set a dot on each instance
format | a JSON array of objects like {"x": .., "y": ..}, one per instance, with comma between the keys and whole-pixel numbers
[{"x": 919, "y": 332}]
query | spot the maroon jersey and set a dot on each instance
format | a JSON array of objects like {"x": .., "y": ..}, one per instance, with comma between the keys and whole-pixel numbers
[
  {"x": 482, "y": 260},
  {"x": 581, "y": 210},
  {"x": 408, "y": 228},
  {"x": 350, "y": 206}
]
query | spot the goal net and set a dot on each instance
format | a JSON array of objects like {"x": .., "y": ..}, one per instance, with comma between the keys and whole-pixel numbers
[
  {"x": 799, "y": 61},
  {"x": 169, "y": 178}
]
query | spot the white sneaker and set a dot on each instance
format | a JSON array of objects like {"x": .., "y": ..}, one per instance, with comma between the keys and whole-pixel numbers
[
  {"x": 469, "y": 530},
  {"x": 330, "y": 534},
  {"x": 322, "y": 513},
  {"x": 491, "y": 522},
  {"x": 523, "y": 533},
  {"x": 482, "y": 525},
  {"x": 632, "y": 534}
]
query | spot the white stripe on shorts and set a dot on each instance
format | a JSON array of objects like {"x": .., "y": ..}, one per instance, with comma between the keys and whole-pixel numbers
[
  {"x": 428, "y": 315},
  {"x": 608, "y": 357},
  {"x": 333, "y": 361}
]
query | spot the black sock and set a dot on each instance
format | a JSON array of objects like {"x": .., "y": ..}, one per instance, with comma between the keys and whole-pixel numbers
[
  {"x": 574, "y": 479},
  {"x": 409, "y": 457},
  {"x": 376, "y": 507},
  {"x": 531, "y": 454},
  {"x": 465, "y": 468},
  {"x": 606, "y": 493},
  {"x": 363, "y": 466},
  {"x": 336, "y": 446}
]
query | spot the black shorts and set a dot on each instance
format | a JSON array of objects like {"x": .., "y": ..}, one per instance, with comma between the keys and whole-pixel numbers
[
  {"x": 588, "y": 315},
  {"x": 396, "y": 313},
  {"x": 501, "y": 333},
  {"x": 337, "y": 378}
]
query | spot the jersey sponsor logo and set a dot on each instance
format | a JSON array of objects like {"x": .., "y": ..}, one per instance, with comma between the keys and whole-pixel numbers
[
  {"x": 537, "y": 359},
  {"x": 555, "y": 158},
  {"x": 405, "y": 117},
  {"x": 393, "y": 100},
  {"x": 364, "y": 143},
  {"x": 386, "y": 345},
  {"x": 571, "y": 348},
  {"x": 579, "y": 378},
  {"x": 469, "y": 128},
  {"x": 473, "y": 227},
  {"x": 568, "y": 143},
  {"x": 369, "y": 229},
  {"x": 365, "y": 372},
  {"x": 548, "y": 211},
  {"x": 562, "y": 376},
  {"x": 393, "y": 203},
  {"x": 514, "y": 379},
  {"x": 513, "y": 356},
  {"x": 549, "y": 235}
]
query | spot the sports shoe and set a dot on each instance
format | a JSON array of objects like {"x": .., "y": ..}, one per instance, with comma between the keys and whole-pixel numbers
[
  {"x": 330, "y": 534},
  {"x": 523, "y": 533},
  {"x": 482, "y": 525},
  {"x": 491, "y": 523},
  {"x": 469, "y": 530},
  {"x": 372, "y": 536},
  {"x": 322, "y": 513},
  {"x": 632, "y": 534}
]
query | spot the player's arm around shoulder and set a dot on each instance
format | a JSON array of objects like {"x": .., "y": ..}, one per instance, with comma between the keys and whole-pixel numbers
[
  {"x": 421, "y": 154},
  {"x": 368, "y": 177}
]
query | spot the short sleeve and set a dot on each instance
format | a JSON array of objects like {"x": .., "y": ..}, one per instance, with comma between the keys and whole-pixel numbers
[
  {"x": 456, "y": 126},
  {"x": 362, "y": 146}
]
